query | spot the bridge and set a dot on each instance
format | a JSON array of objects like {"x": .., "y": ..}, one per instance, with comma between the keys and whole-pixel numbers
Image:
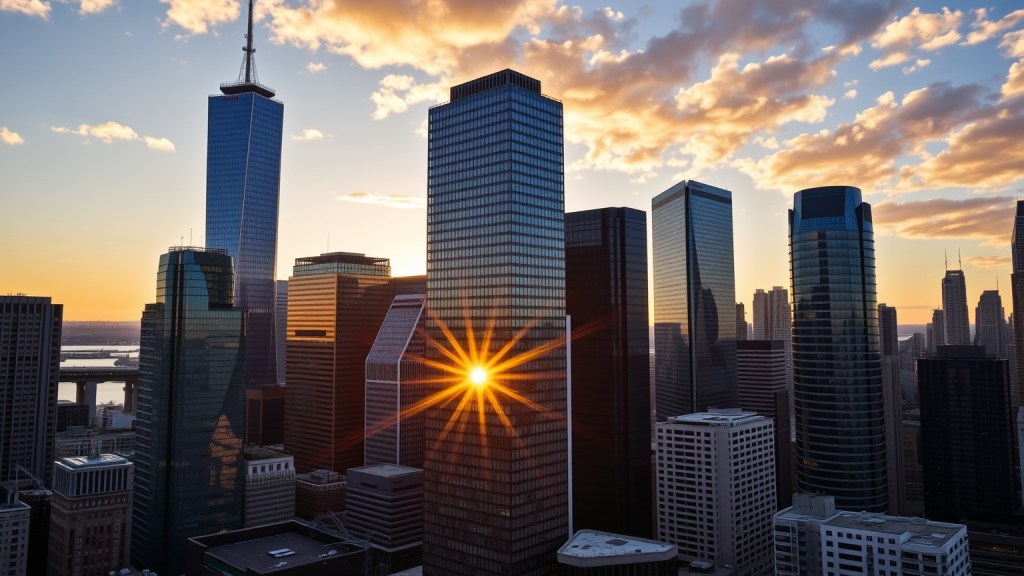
[{"x": 86, "y": 378}]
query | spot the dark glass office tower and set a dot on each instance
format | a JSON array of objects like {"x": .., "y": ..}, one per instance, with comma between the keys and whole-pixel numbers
[
  {"x": 30, "y": 329},
  {"x": 990, "y": 324},
  {"x": 243, "y": 185},
  {"x": 606, "y": 297},
  {"x": 888, "y": 328},
  {"x": 837, "y": 376},
  {"x": 967, "y": 437},
  {"x": 954, "y": 308},
  {"x": 189, "y": 475},
  {"x": 1017, "y": 296},
  {"x": 496, "y": 502},
  {"x": 694, "y": 300}
]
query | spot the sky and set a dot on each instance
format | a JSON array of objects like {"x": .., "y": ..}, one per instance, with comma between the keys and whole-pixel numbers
[{"x": 103, "y": 125}]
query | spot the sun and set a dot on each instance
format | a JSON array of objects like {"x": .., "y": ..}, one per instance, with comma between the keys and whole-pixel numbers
[{"x": 478, "y": 376}]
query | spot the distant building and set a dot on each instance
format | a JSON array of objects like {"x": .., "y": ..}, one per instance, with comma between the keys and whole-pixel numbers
[
  {"x": 888, "y": 331},
  {"x": 741, "y": 322},
  {"x": 694, "y": 299},
  {"x": 913, "y": 468},
  {"x": 762, "y": 322},
  {"x": 967, "y": 436},
  {"x": 797, "y": 535},
  {"x": 395, "y": 383},
  {"x": 14, "y": 528},
  {"x": 996, "y": 550},
  {"x": 202, "y": 492},
  {"x": 954, "y": 308},
  {"x": 283, "y": 549},
  {"x": 336, "y": 305},
  {"x": 938, "y": 330},
  {"x": 71, "y": 414},
  {"x": 761, "y": 378},
  {"x": 716, "y": 488},
  {"x": 281, "y": 329},
  {"x": 30, "y": 362},
  {"x": 269, "y": 487},
  {"x": 1017, "y": 296},
  {"x": 990, "y": 324},
  {"x": 892, "y": 398},
  {"x": 78, "y": 441},
  {"x": 385, "y": 504},
  {"x": 96, "y": 542},
  {"x": 319, "y": 492},
  {"x": 606, "y": 298},
  {"x": 594, "y": 553}
]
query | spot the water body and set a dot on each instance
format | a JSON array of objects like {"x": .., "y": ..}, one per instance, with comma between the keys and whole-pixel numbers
[{"x": 105, "y": 391}]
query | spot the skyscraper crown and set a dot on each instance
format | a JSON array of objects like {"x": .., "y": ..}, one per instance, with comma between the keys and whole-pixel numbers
[{"x": 248, "y": 80}]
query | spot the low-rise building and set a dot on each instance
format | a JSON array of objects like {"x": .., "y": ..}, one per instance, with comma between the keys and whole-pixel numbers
[
  {"x": 319, "y": 492},
  {"x": 797, "y": 547},
  {"x": 269, "y": 487},
  {"x": 284, "y": 549},
  {"x": 71, "y": 414},
  {"x": 384, "y": 502},
  {"x": 594, "y": 553}
]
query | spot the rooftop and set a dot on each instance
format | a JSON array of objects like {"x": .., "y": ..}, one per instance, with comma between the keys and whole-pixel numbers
[
  {"x": 725, "y": 417},
  {"x": 93, "y": 461},
  {"x": 292, "y": 549},
  {"x": 386, "y": 470},
  {"x": 589, "y": 548},
  {"x": 918, "y": 531}
]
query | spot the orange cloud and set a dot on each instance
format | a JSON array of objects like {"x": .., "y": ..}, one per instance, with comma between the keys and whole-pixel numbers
[
  {"x": 390, "y": 200},
  {"x": 985, "y": 28},
  {"x": 12, "y": 138},
  {"x": 987, "y": 218},
  {"x": 916, "y": 30},
  {"x": 198, "y": 16},
  {"x": 30, "y": 7},
  {"x": 989, "y": 262},
  {"x": 111, "y": 131}
]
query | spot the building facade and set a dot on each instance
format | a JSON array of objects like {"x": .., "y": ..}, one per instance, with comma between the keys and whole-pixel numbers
[
  {"x": 91, "y": 515},
  {"x": 30, "y": 330},
  {"x": 837, "y": 381},
  {"x": 281, "y": 329},
  {"x": 741, "y": 322},
  {"x": 967, "y": 437},
  {"x": 990, "y": 324},
  {"x": 694, "y": 293},
  {"x": 385, "y": 504},
  {"x": 192, "y": 354},
  {"x": 888, "y": 331},
  {"x": 395, "y": 384},
  {"x": 938, "y": 330},
  {"x": 269, "y": 487},
  {"x": 956, "y": 320},
  {"x": 336, "y": 305},
  {"x": 797, "y": 531},
  {"x": 716, "y": 488},
  {"x": 14, "y": 541},
  {"x": 496, "y": 265},
  {"x": 319, "y": 492},
  {"x": 606, "y": 297},
  {"x": 1017, "y": 295},
  {"x": 761, "y": 378}
]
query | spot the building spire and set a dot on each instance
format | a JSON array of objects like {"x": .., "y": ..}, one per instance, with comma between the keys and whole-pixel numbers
[
  {"x": 250, "y": 66},
  {"x": 248, "y": 80}
]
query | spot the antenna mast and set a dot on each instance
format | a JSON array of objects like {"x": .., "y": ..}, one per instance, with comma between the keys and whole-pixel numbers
[
  {"x": 248, "y": 49},
  {"x": 248, "y": 79}
]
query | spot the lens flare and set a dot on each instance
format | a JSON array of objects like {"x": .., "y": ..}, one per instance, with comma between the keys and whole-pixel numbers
[{"x": 478, "y": 376}]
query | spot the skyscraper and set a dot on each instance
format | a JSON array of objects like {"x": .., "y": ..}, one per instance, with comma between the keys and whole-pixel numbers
[
  {"x": 1017, "y": 295},
  {"x": 840, "y": 416},
  {"x": 888, "y": 331},
  {"x": 243, "y": 186},
  {"x": 938, "y": 330},
  {"x": 761, "y": 379},
  {"x": 954, "y": 309},
  {"x": 967, "y": 437},
  {"x": 281, "y": 328},
  {"x": 496, "y": 256},
  {"x": 741, "y": 322},
  {"x": 889, "y": 348},
  {"x": 29, "y": 368},
  {"x": 694, "y": 293},
  {"x": 606, "y": 297},
  {"x": 336, "y": 305},
  {"x": 990, "y": 324},
  {"x": 395, "y": 384},
  {"x": 190, "y": 411},
  {"x": 762, "y": 322}
]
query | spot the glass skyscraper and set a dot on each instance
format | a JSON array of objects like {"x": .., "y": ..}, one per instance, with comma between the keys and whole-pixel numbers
[
  {"x": 954, "y": 305},
  {"x": 837, "y": 375},
  {"x": 606, "y": 297},
  {"x": 495, "y": 493},
  {"x": 189, "y": 475},
  {"x": 694, "y": 300}
]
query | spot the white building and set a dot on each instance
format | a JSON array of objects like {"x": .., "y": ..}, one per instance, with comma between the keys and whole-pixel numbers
[
  {"x": 716, "y": 488},
  {"x": 269, "y": 487},
  {"x": 812, "y": 539}
]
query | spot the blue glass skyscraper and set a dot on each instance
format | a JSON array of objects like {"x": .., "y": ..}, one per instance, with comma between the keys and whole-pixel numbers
[
  {"x": 243, "y": 185},
  {"x": 837, "y": 372},
  {"x": 496, "y": 490},
  {"x": 694, "y": 300}
]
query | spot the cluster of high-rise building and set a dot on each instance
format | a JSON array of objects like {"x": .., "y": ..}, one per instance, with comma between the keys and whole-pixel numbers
[{"x": 495, "y": 415}]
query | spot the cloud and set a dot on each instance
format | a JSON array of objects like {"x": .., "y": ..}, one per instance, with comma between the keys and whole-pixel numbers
[
  {"x": 1013, "y": 44},
  {"x": 94, "y": 6},
  {"x": 309, "y": 134},
  {"x": 317, "y": 67},
  {"x": 1014, "y": 85},
  {"x": 916, "y": 30},
  {"x": 985, "y": 28},
  {"x": 12, "y": 138},
  {"x": 919, "y": 64},
  {"x": 392, "y": 200},
  {"x": 159, "y": 144},
  {"x": 990, "y": 262},
  {"x": 850, "y": 94},
  {"x": 197, "y": 16},
  {"x": 30, "y": 7},
  {"x": 111, "y": 131},
  {"x": 987, "y": 218},
  {"x": 850, "y": 83}
]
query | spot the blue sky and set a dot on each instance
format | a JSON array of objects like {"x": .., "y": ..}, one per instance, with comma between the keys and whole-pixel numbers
[{"x": 734, "y": 93}]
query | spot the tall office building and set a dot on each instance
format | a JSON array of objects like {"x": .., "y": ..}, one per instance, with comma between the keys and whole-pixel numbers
[
  {"x": 888, "y": 331},
  {"x": 29, "y": 368},
  {"x": 837, "y": 380},
  {"x": 281, "y": 328},
  {"x": 892, "y": 398},
  {"x": 741, "y": 322},
  {"x": 606, "y": 297},
  {"x": 716, "y": 488},
  {"x": 1017, "y": 295},
  {"x": 762, "y": 320},
  {"x": 967, "y": 436},
  {"x": 14, "y": 528},
  {"x": 773, "y": 321},
  {"x": 496, "y": 255},
  {"x": 954, "y": 309},
  {"x": 269, "y": 487},
  {"x": 336, "y": 305},
  {"x": 761, "y": 379},
  {"x": 385, "y": 504},
  {"x": 243, "y": 188},
  {"x": 97, "y": 542},
  {"x": 395, "y": 383},
  {"x": 938, "y": 330},
  {"x": 694, "y": 291},
  {"x": 190, "y": 409},
  {"x": 990, "y": 324}
]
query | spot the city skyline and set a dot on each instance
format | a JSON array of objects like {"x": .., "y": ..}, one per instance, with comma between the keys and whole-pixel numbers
[{"x": 333, "y": 151}]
